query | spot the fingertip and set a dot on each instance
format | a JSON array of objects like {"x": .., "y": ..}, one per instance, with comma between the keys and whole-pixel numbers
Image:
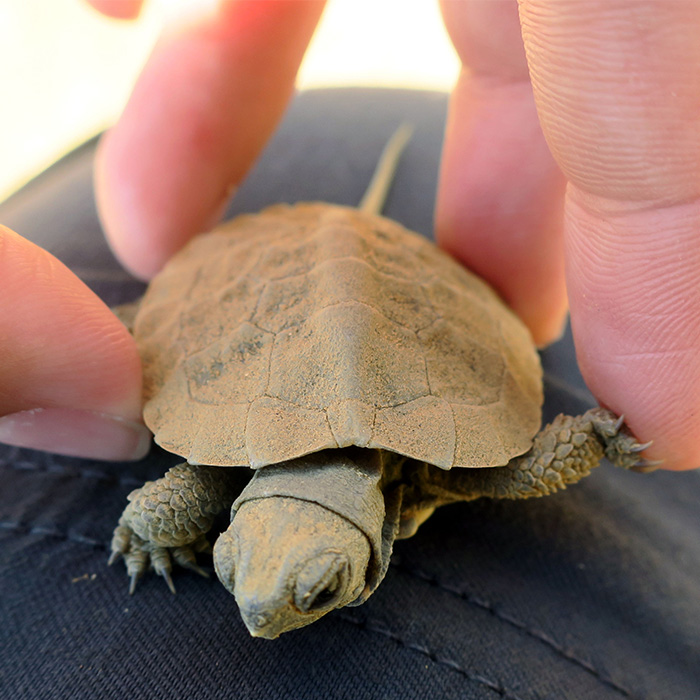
[
  {"x": 125, "y": 212},
  {"x": 64, "y": 348},
  {"x": 200, "y": 113},
  {"x": 632, "y": 277},
  {"x": 118, "y": 9},
  {"x": 148, "y": 214}
]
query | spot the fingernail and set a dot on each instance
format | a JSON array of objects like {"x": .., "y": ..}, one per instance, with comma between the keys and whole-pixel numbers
[{"x": 76, "y": 433}]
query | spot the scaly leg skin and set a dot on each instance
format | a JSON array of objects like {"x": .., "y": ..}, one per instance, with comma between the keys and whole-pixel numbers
[
  {"x": 562, "y": 453},
  {"x": 169, "y": 518}
]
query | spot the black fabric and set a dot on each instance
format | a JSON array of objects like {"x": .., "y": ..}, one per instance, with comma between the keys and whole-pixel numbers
[{"x": 592, "y": 594}]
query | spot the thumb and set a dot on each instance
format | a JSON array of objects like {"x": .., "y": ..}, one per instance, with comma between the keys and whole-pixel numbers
[
  {"x": 617, "y": 88},
  {"x": 70, "y": 374}
]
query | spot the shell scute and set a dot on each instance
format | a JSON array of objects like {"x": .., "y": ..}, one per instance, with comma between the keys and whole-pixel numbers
[
  {"x": 346, "y": 350},
  {"x": 232, "y": 370},
  {"x": 315, "y": 326}
]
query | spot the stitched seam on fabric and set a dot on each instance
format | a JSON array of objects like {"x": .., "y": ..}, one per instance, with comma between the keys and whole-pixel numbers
[
  {"x": 72, "y": 472},
  {"x": 539, "y": 635},
  {"x": 445, "y": 661},
  {"x": 20, "y": 528}
]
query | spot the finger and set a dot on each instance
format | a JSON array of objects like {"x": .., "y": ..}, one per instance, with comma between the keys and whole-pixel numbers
[
  {"x": 199, "y": 115},
  {"x": 500, "y": 199},
  {"x": 70, "y": 375},
  {"x": 617, "y": 84},
  {"x": 119, "y": 9}
]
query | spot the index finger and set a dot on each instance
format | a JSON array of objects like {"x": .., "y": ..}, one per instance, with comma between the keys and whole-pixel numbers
[{"x": 201, "y": 112}]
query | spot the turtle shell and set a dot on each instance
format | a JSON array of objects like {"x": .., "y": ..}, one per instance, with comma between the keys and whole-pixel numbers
[{"x": 316, "y": 326}]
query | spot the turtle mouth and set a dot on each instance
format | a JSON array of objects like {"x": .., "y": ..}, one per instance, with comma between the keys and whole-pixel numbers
[{"x": 318, "y": 587}]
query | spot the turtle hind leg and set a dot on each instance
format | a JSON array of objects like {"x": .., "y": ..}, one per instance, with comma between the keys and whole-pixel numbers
[
  {"x": 168, "y": 519},
  {"x": 563, "y": 453}
]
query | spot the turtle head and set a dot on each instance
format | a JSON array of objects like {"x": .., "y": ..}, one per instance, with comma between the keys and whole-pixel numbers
[{"x": 289, "y": 561}]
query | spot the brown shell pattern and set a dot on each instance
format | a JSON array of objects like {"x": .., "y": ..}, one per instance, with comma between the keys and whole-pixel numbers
[{"x": 315, "y": 326}]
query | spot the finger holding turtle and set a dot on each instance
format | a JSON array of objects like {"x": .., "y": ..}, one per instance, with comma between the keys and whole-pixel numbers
[
  {"x": 363, "y": 375},
  {"x": 70, "y": 374},
  {"x": 591, "y": 78}
]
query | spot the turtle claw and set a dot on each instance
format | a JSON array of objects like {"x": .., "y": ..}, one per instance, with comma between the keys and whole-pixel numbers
[
  {"x": 136, "y": 575},
  {"x": 161, "y": 564},
  {"x": 169, "y": 580},
  {"x": 621, "y": 447},
  {"x": 140, "y": 555},
  {"x": 619, "y": 423},
  {"x": 121, "y": 542},
  {"x": 187, "y": 559},
  {"x": 641, "y": 447},
  {"x": 197, "y": 569},
  {"x": 644, "y": 466}
]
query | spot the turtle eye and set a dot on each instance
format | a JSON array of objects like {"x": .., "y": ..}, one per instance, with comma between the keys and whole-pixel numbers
[
  {"x": 320, "y": 583},
  {"x": 326, "y": 596},
  {"x": 225, "y": 559}
]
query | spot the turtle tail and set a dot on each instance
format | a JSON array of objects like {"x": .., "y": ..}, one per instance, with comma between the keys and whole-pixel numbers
[{"x": 374, "y": 198}]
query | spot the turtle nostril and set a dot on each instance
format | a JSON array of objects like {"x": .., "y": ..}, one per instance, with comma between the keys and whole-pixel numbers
[
  {"x": 261, "y": 620},
  {"x": 260, "y": 623}
]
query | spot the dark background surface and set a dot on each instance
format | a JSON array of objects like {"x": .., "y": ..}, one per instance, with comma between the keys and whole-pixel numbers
[{"x": 590, "y": 594}]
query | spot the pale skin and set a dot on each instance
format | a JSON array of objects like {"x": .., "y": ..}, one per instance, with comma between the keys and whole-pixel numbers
[{"x": 570, "y": 170}]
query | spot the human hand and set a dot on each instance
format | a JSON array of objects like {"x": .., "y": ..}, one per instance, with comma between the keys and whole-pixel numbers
[
  {"x": 626, "y": 145},
  {"x": 617, "y": 91},
  {"x": 70, "y": 376}
]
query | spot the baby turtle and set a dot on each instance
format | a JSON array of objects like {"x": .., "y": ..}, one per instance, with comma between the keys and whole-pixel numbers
[{"x": 363, "y": 376}]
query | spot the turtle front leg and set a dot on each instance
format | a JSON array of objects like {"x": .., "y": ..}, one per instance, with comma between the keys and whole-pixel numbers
[
  {"x": 564, "y": 452},
  {"x": 169, "y": 518}
]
